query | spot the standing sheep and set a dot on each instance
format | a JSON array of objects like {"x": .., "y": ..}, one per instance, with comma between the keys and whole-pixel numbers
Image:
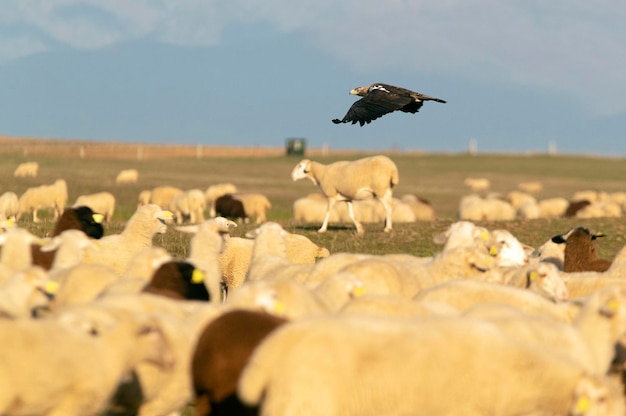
[
  {"x": 373, "y": 176},
  {"x": 255, "y": 205},
  {"x": 26, "y": 169},
  {"x": 100, "y": 202},
  {"x": 189, "y": 204},
  {"x": 44, "y": 196}
]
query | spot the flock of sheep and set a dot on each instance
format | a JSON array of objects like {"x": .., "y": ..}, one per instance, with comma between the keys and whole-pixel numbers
[{"x": 273, "y": 324}]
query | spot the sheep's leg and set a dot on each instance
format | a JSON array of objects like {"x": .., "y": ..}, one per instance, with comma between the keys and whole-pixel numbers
[
  {"x": 331, "y": 204},
  {"x": 387, "y": 200},
  {"x": 359, "y": 227},
  {"x": 35, "y": 218}
]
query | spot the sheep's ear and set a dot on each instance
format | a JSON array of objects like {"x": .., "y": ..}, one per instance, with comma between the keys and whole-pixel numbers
[
  {"x": 559, "y": 239},
  {"x": 597, "y": 235}
]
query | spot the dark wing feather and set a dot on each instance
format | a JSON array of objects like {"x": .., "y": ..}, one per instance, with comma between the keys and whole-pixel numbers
[
  {"x": 375, "y": 104},
  {"x": 412, "y": 107}
]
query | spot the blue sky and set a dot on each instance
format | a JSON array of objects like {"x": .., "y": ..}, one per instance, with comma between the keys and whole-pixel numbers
[{"x": 517, "y": 74}]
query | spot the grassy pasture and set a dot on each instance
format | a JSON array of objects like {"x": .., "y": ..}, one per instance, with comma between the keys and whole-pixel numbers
[{"x": 436, "y": 177}]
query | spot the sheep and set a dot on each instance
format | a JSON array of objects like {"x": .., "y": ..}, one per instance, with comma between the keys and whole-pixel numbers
[
  {"x": 188, "y": 204},
  {"x": 26, "y": 291},
  {"x": 9, "y": 204},
  {"x": 237, "y": 253},
  {"x": 590, "y": 338},
  {"x": 116, "y": 250},
  {"x": 332, "y": 264},
  {"x": 518, "y": 198},
  {"x": 44, "y": 196},
  {"x": 215, "y": 191},
  {"x": 553, "y": 207},
  {"x": 16, "y": 251},
  {"x": 575, "y": 206},
  {"x": 162, "y": 195},
  {"x": 463, "y": 294},
  {"x": 127, "y": 176},
  {"x": 477, "y": 184},
  {"x": 531, "y": 187},
  {"x": 529, "y": 210},
  {"x": 77, "y": 371},
  {"x": 600, "y": 210},
  {"x": 422, "y": 209},
  {"x": 254, "y": 205},
  {"x": 178, "y": 280},
  {"x": 580, "y": 252},
  {"x": 590, "y": 195},
  {"x": 394, "y": 306},
  {"x": 310, "y": 209},
  {"x": 144, "y": 197},
  {"x": 221, "y": 353},
  {"x": 461, "y": 234},
  {"x": 474, "y": 208},
  {"x": 26, "y": 169},
  {"x": 205, "y": 246},
  {"x": 229, "y": 207},
  {"x": 283, "y": 297},
  {"x": 100, "y": 202},
  {"x": 373, "y": 176},
  {"x": 328, "y": 365}
]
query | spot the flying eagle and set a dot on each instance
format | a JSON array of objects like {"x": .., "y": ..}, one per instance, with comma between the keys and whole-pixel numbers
[{"x": 380, "y": 99}]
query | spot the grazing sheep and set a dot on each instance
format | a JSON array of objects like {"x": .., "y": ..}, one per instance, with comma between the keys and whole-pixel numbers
[
  {"x": 531, "y": 187},
  {"x": 100, "y": 202},
  {"x": 178, "y": 280},
  {"x": 215, "y": 191},
  {"x": 352, "y": 180},
  {"x": 477, "y": 184},
  {"x": 44, "y": 197},
  {"x": 553, "y": 207},
  {"x": 221, "y": 353},
  {"x": 580, "y": 251},
  {"x": 189, "y": 204},
  {"x": 78, "y": 361},
  {"x": 127, "y": 176},
  {"x": 364, "y": 366},
  {"x": 229, "y": 207},
  {"x": 255, "y": 205},
  {"x": 26, "y": 169},
  {"x": 162, "y": 195},
  {"x": 116, "y": 250},
  {"x": 9, "y": 204}
]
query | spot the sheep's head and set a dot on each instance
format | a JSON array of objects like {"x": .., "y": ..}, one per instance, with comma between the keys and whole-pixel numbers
[
  {"x": 545, "y": 280},
  {"x": 302, "y": 170}
]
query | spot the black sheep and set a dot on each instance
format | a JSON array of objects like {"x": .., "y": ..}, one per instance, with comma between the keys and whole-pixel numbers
[{"x": 229, "y": 207}]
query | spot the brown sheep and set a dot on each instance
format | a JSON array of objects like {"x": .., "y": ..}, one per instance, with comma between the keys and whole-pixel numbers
[
  {"x": 222, "y": 351},
  {"x": 580, "y": 251},
  {"x": 179, "y": 280}
]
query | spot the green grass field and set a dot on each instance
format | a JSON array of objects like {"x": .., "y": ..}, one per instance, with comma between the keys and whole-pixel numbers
[{"x": 436, "y": 177}]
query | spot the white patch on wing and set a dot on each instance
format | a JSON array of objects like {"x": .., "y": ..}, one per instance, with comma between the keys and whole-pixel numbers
[{"x": 378, "y": 87}]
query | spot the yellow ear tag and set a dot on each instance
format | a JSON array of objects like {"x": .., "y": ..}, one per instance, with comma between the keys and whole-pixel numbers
[
  {"x": 533, "y": 275},
  {"x": 98, "y": 218},
  {"x": 10, "y": 222},
  {"x": 279, "y": 308},
  {"x": 197, "y": 276},
  {"x": 583, "y": 404},
  {"x": 168, "y": 215},
  {"x": 484, "y": 235},
  {"x": 51, "y": 287},
  {"x": 358, "y": 291},
  {"x": 493, "y": 251},
  {"x": 613, "y": 305}
]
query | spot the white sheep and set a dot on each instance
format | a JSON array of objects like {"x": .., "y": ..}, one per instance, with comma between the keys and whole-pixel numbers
[
  {"x": 100, "y": 202},
  {"x": 237, "y": 254},
  {"x": 163, "y": 195},
  {"x": 215, "y": 191},
  {"x": 144, "y": 197},
  {"x": 26, "y": 169},
  {"x": 205, "y": 246},
  {"x": 531, "y": 187},
  {"x": 44, "y": 197},
  {"x": 518, "y": 198},
  {"x": 327, "y": 366},
  {"x": 477, "y": 184},
  {"x": 421, "y": 208},
  {"x": 127, "y": 176},
  {"x": 117, "y": 250},
  {"x": 475, "y": 208},
  {"x": 9, "y": 204},
  {"x": 352, "y": 180},
  {"x": 190, "y": 203},
  {"x": 553, "y": 207},
  {"x": 26, "y": 291},
  {"x": 529, "y": 210},
  {"x": 395, "y": 306},
  {"x": 600, "y": 210},
  {"x": 463, "y": 294},
  {"x": 255, "y": 205},
  {"x": 77, "y": 370},
  {"x": 16, "y": 252}
]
